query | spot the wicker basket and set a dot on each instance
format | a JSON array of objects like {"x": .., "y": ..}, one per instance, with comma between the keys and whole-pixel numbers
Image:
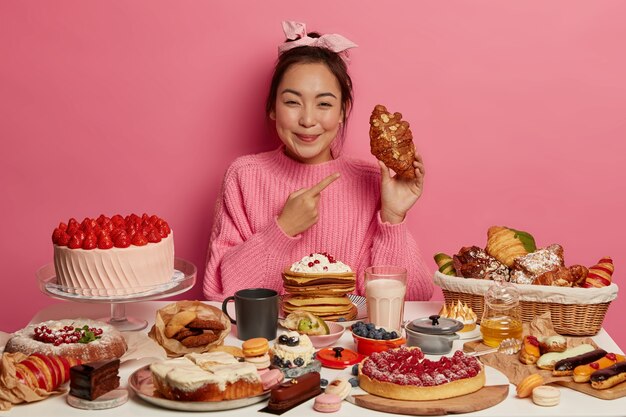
[{"x": 574, "y": 311}]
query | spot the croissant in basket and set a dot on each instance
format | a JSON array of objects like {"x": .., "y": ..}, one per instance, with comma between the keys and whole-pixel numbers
[
  {"x": 506, "y": 244},
  {"x": 391, "y": 141}
]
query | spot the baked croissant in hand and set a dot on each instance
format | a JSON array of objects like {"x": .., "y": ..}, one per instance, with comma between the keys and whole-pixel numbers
[{"x": 391, "y": 141}]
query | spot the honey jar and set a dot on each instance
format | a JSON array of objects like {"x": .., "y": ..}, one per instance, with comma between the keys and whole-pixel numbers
[{"x": 501, "y": 317}]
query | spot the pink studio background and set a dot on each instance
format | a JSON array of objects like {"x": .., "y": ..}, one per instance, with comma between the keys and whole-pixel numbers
[{"x": 517, "y": 107}]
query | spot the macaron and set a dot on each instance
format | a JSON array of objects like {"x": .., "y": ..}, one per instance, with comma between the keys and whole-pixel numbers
[
  {"x": 340, "y": 387},
  {"x": 260, "y": 362},
  {"x": 271, "y": 378},
  {"x": 255, "y": 347},
  {"x": 546, "y": 396},
  {"x": 327, "y": 403}
]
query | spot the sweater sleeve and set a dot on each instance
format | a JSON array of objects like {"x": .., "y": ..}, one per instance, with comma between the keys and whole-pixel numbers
[
  {"x": 393, "y": 245},
  {"x": 235, "y": 249}
]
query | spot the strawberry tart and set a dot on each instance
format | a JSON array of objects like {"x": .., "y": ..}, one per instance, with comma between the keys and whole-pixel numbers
[
  {"x": 113, "y": 256},
  {"x": 404, "y": 374},
  {"x": 82, "y": 339}
]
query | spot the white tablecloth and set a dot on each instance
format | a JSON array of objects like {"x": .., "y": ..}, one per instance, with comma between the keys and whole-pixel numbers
[{"x": 572, "y": 403}]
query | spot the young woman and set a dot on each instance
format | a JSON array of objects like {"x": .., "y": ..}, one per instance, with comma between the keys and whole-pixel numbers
[{"x": 304, "y": 197}]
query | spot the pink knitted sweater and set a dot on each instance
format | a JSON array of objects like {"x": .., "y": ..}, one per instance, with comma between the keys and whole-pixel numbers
[{"x": 248, "y": 249}]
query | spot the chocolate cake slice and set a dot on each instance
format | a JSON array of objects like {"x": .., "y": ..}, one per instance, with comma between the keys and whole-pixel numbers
[{"x": 91, "y": 380}]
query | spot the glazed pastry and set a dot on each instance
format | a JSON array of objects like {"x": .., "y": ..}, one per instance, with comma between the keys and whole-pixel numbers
[
  {"x": 562, "y": 276},
  {"x": 548, "y": 360},
  {"x": 526, "y": 386},
  {"x": 582, "y": 373},
  {"x": 506, "y": 244},
  {"x": 556, "y": 343},
  {"x": 546, "y": 396},
  {"x": 600, "y": 274},
  {"x": 391, "y": 141},
  {"x": 527, "y": 268},
  {"x": 608, "y": 377},
  {"x": 474, "y": 262},
  {"x": 529, "y": 354},
  {"x": 566, "y": 366}
]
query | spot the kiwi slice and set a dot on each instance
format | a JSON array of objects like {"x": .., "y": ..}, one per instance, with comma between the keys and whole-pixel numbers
[{"x": 313, "y": 326}]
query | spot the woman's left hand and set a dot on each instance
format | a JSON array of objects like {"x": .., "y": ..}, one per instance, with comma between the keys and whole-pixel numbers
[{"x": 398, "y": 195}]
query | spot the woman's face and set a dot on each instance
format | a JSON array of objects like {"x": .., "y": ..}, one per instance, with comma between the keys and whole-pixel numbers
[{"x": 308, "y": 112}]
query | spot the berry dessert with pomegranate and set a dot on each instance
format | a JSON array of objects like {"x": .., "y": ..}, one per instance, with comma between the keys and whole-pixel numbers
[
  {"x": 113, "y": 256},
  {"x": 83, "y": 339},
  {"x": 404, "y": 374}
]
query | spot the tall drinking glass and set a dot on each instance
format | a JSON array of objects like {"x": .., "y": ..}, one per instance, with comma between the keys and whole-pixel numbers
[{"x": 385, "y": 288}]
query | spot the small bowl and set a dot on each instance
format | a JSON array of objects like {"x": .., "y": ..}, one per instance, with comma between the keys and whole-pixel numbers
[
  {"x": 336, "y": 331},
  {"x": 366, "y": 346}
]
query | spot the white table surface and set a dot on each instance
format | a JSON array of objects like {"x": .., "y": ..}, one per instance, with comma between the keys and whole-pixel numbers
[{"x": 572, "y": 403}]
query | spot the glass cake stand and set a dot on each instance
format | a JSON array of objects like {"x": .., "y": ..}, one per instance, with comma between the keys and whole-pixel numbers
[{"x": 183, "y": 279}]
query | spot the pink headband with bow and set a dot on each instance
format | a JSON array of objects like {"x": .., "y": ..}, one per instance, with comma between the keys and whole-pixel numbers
[{"x": 297, "y": 34}]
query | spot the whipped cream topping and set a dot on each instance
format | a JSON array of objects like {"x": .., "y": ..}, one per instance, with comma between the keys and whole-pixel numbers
[
  {"x": 185, "y": 375},
  {"x": 319, "y": 262},
  {"x": 304, "y": 349}
]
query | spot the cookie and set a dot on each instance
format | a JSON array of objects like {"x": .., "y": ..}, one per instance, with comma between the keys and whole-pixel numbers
[
  {"x": 206, "y": 324},
  {"x": 199, "y": 340},
  {"x": 178, "y": 321},
  {"x": 185, "y": 332}
]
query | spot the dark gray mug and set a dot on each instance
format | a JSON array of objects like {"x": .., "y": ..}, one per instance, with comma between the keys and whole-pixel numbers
[{"x": 256, "y": 310}]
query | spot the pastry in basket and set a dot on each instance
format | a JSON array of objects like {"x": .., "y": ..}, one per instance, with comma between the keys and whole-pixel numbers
[
  {"x": 527, "y": 267},
  {"x": 213, "y": 376},
  {"x": 506, "y": 244},
  {"x": 391, "y": 141},
  {"x": 404, "y": 374},
  {"x": 562, "y": 276},
  {"x": 474, "y": 262},
  {"x": 460, "y": 312},
  {"x": 600, "y": 274},
  {"x": 84, "y": 339},
  {"x": 445, "y": 264}
]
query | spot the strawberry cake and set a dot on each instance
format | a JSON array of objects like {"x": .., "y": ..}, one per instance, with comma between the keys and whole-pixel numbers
[
  {"x": 113, "y": 256},
  {"x": 404, "y": 374}
]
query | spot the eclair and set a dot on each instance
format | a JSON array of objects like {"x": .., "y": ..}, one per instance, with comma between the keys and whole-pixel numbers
[
  {"x": 556, "y": 343},
  {"x": 582, "y": 373},
  {"x": 566, "y": 366},
  {"x": 608, "y": 377},
  {"x": 548, "y": 360}
]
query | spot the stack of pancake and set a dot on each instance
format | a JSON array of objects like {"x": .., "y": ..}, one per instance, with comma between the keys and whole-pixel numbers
[{"x": 322, "y": 294}]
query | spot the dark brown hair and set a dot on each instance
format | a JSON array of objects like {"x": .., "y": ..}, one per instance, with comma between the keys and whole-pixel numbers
[{"x": 312, "y": 55}]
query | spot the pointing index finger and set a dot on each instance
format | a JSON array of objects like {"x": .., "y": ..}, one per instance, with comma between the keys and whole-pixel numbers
[{"x": 320, "y": 186}]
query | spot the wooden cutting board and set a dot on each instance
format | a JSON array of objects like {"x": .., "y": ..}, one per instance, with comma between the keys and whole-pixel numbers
[
  {"x": 618, "y": 391},
  {"x": 485, "y": 397}
]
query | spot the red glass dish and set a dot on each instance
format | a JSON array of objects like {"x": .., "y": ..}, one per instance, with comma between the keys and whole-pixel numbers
[{"x": 366, "y": 346}]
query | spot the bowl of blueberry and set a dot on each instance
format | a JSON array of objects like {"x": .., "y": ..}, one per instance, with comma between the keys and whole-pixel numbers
[{"x": 369, "y": 339}]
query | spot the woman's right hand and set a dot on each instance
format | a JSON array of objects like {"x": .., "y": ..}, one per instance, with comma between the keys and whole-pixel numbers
[{"x": 300, "y": 210}]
